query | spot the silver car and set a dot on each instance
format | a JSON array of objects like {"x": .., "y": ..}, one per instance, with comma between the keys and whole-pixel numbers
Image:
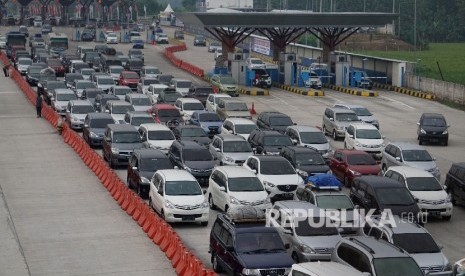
[
  {"x": 362, "y": 113},
  {"x": 336, "y": 120},
  {"x": 230, "y": 149},
  {"x": 76, "y": 112},
  {"x": 60, "y": 99},
  {"x": 408, "y": 154},
  {"x": 309, "y": 136}
]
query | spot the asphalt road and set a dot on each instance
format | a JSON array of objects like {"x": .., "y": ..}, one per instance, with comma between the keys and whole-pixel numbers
[{"x": 397, "y": 114}]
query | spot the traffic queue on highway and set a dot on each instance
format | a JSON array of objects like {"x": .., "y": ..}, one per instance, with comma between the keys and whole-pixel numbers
[{"x": 190, "y": 149}]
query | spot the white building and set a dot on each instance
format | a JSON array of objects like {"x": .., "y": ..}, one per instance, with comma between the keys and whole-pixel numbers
[{"x": 214, "y": 4}]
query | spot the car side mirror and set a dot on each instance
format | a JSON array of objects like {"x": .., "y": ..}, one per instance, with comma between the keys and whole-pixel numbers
[
  {"x": 287, "y": 246},
  {"x": 134, "y": 168},
  {"x": 434, "y": 158},
  {"x": 218, "y": 149},
  {"x": 108, "y": 139},
  {"x": 222, "y": 189},
  {"x": 287, "y": 231},
  {"x": 331, "y": 118},
  {"x": 204, "y": 191},
  {"x": 230, "y": 248},
  {"x": 230, "y": 131},
  {"x": 351, "y": 136},
  {"x": 399, "y": 159},
  {"x": 254, "y": 171},
  {"x": 448, "y": 125},
  {"x": 356, "y": 207},
  {"x": 160, "y": 192},
  {"x": 86, "y": 125},
  {"x": 383, "y": 137},
  {"x": 418, "y": 123},
  {"x": 294, "y": 141}
]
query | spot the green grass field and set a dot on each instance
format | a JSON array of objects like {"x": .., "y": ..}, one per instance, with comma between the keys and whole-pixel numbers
[{"x": 451, "y": 58}]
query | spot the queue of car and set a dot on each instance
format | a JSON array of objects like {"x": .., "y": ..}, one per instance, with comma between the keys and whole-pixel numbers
[{"x": 190, "y": 153}]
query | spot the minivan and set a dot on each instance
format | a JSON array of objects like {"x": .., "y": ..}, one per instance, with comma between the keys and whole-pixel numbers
[
  {"x": 119, "y": 141},
  {"x": 336, "y": 120},
  {"x": 94, "y": 127},
  {"x": 455, "y": 182},
  {"x": 182, "y": 86},
  {"x": 232, "y": 108}
]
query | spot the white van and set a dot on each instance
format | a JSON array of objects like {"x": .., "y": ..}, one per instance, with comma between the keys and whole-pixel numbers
[
  {"x": 324, "y": 269},
  {"x": 182, "y": 86}
]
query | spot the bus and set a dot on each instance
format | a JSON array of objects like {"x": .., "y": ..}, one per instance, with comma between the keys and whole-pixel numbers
[
  {"x": 14, "y": 39},
  {"x": 57, "y": 43}
]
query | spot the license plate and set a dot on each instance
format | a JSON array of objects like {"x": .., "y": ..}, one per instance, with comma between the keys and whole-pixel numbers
[
  {"x": 434, "y": 213},
  {"x": 288, "y": 195},
  {"x": 188, "y": 218}
]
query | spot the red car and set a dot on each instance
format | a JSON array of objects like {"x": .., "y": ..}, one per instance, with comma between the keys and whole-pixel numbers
[
  {"x": 348, "y": 164},
  {"x": 163, "y": 113},
  {"x": 129, "y": 78},
  {"x": 56, "y": 65}
]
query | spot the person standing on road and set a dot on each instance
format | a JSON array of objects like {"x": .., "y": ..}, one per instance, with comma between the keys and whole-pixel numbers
[
  {"x": 6, "y": 69},
  {"x": 39, "y": 105}
]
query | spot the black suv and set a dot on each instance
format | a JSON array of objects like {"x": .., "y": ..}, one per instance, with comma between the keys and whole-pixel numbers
[
  {"x": 306, "y": 161},
  {"x": 201, "y": 93},
  {"x": 455, "y": 182},
  {"x": 94, "y": 127},
  {"x": 381, "y": 193},
  {"x": 268, "y": 142},
  {"x": 119, "y": 141},
  {"x": 192, "y": 133},
  {"x": 143, "y": 163},
  {"x": 101, "y": 100},
  {"x": 270, "y": 120},
  {"x": 168, "y": 97},
  {"x": 241, "y": 244},
  {"x": 192, "y": 157},
  {"x": 432, "y": 127}
]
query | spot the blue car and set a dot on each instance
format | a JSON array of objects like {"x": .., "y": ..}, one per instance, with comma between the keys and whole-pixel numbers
[
  {"x": 138, "y": 44},
  {"x": 209, "y": 121}
]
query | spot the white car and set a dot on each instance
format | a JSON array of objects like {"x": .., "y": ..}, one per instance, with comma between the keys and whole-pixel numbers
[
  {"x": 187, "y": 106},
  {"x": 177, "y": 197},
  {"x": 111, "y": 38},
  {"x": 76, "y": 112},
  {"x": 239, "y": 126},
  {"x": 120, "y": 91},
  {"x": 60, "y": 100},
  {"x": 229, "y": 149},
  {"x": 161, "y": 38},
  {"x": 2, "y": 42},
  {"x": 115, "y": 71},
  {"x": 105, "y": 83},
  {"x": 157, "y": 136},
  {"x": 324, "y": 269},
  {"x": 313, "y": 81},
  {"x": 255, "y": 63},
  {"x": 309, "y": 136},
  {"x": 182, "y": 86},
  {"x": 144, "y": 84},
  {"x": 140, "y": 102},
  {"x": 22, "y": 64},
  {"x": 86, "y": 72},
  {"x": 231, "y": 186},
  {"x": 431, "y": 196},
  {"x": 362, "y": 113},
  {"x": 212, "y": 101},
  {"x": 277, "y": 175},
  {"x": 118, "y": 110},
  {"x": 154, "y": 90},
  {"x": 134, "y": 36},
  {"x": 364, "y": 137},
  {"x": 150, "y": 72},
  {"x": 38, "y": 21}
]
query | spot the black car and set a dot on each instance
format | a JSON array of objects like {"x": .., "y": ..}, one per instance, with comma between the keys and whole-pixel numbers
[
  {"x": 201, "y": 93},
  {"x": 432, "y": 127},
  {"x": 101, "y": 100},
  {"x": 200, "y": 40},
  {"x": 271, "y": 120},
  {"x": 100, "y": 48},
  {"x": 11, "y": 20},
  {"x": 455, "y": 183},
  {"x": 94, "y": 127},
  {"x": 165, "y": 79},
  {"x": 380, "y": 193},
  {"x": 306, "y": 161},
  {"x": 143, "y": 163},
  {"x": 66, "y": 61},
  {"x": 134, "y": 64},
  {"x": 268, "y": 141},
  {"x": 88, "y": 35},
  {"x": 48, "y": 87},
  {"x": 136, "y": 53},
  {"x": 240, "y": 241},
  {"x": 33, "y": 73},
  {"x": 192, "y": 157},
  {"x": 119, "y": 141},
  {"x": 90, "y": 94},
  {"x": 24, "y": 30},
  {"x": 191, "y": 133},
  {"x": 71, "y": 77},
  {"x": 89, "y": 57},
  {"x": 168, "y": 97},
  {"x": 46, "y": 29}
]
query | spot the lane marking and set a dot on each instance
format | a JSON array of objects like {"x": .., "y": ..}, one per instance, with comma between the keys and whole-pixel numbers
[{"x": 396, "y": 101}]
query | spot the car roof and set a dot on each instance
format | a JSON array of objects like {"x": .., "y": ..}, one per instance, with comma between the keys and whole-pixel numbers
[
  {"x": 301, "y": 128},
  {"x": 377, "y": 248},
  {"x": 300, "y": 149},
  {"x": 191, "y": 145},
  {"x": 401, "y": 226},
  {"x": 269, "y": 157},
  {"x": 235, "y": 171},
  {"x": 410, "y": 171},
  {"x": 241, "y": 121},
  {"x": 176, "y": 175},
  {"x": 362, "y": 125},
  {"x": 377, "y": 181},
  {"x": 139, "y": 114},
  {"x": 80, "y": 102},
  {"x": 432, "y": 115},
  {"x": 136, "y": 95},
  {"x": 164, "y": 107},
  {"x": 154, "y": 126},
  {"x": 297, "y": 204},
  {"x": 122, "y": 127},
  {"x": 352, "y": 151},
  {"x": 407, "y": 146},
  {"x": 326, "y": 268},
  {"x": 230, "y": 137},
  {"x": 350, "y": 106},
  {"x": 118, "y": 102},
  {"x": 150, "y": 153},
  {"x": 64, "y": 91},
  {"x": 99, "y": 115}
]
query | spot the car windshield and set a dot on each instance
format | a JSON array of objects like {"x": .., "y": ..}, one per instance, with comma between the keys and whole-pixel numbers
[
  {"x": 196, "y": 155},
  {"x": 203, "y": 91},
  {"x": 122, "y": 91},
  {"x": 82, "y": 109},
  {"x": 171, "y": 97},
  {"x": 360, "y": 160},
  {"x": 168, "y": 113},
  {"x": 154, "y": 164},
  {"x": 209, "y": 117},
  {"x": 193, "y": 132},
  {"x": 245, "y": 184},
  {"x": 141, "y": 101},
  {"x": 87, "y": 72},
  {"x": 245, "y": 129},
  {"x": 423, "y": 184},
  {"x": 276, "y": 167},
  {"x": 403, "y": 266},
  {"x": 361, "y": 111},
  {"x": 259, "y": 243},
  {"x": 100, "y": 123},
  {"x": 438, "y": 122},
  {"x": 346, "y": 117},
  {"x": 92, "y": 94},
  {"x": 416, "y": 243},
  {"x": 236, "y": 107},
  {"x": 334, "y": 202},
  {"x": 66, "y": 97},
  {"x": 368, "y": 134},
  {"x": 152, "y": 71},
  {"x": 317, "y": 227},
  {"x": 148, "y": 82},
  {"x": 161, "y": 135},
  {"x": 314, "y": 137},
  {"x": 193, "y": 106},
  {"x": 137, "y": 121},
  {"x": 228, "y": 80},
  {"x": 131, "y": 76},
  {"x": 136, "y": 52},
  {"x": 280, "y": 140},
  {"x": 126, "y": 137},
  {"x": 72, "y": 78},
  {"x": 84, "y": 85},
  {"x": 116, "y": 70},
  {"x": 394, "y": 196},
  {"x": 417, "y": 155},
  {"x": 182, "y": 188},
  {"x": 53, "y": 62},
  {"x": 280, "y": 121},
  {"x": 56, "y": 85},
  {"x": 34, "y": 70},
  {"x": 165, "y": 79},
  {"x": 183, "y": 84},
  {"x": 236, "y": 146},
  {"x": 25, "y": 61},
  {"x": 121, "y": 109},
  {"x": 105, "y": 81},
  {"x": 305, "y": 159}
]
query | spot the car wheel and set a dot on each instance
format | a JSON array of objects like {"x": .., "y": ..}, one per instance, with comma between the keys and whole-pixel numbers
[
  {"x": 447, "y": 218},
  {"x": 452, "y": 198},
  {"x": 162, "y": 214},
  {"x": 446, "y": 143},
  {"x": 383, "y": 168},
  {"x": 110, "y": 163},
  {"x": 346, "y": 182},
  {"x": 420, "y": 142},
  {"x": 210, "y": 202},
  {"x": 295, "y": 257},
  {"x": 345, "y": 145},
  {"x": 216, "y": 266},
  {"x": 129, "y": 182},
  {"x": 204, "y": 223},
  {"x": 324, "y": 130},
  {"x": 226, "y": 208},
  {"x": 150, "y": 202},
  {"x": 334, "y": 135}
]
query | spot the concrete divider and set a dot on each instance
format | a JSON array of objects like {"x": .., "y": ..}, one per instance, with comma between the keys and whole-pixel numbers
[
  {"x": 297, "y": 90},
  {"x": 184, "y": 65},
  {"x": 406, "y": 91},
  {"x": 352, "y": 91},
  {"x": 184, "y": 262},
  {"x": 254, "y": 91}
]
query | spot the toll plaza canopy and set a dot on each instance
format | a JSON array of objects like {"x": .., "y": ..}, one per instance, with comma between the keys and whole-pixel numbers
[{"x": 283, "y": 27}]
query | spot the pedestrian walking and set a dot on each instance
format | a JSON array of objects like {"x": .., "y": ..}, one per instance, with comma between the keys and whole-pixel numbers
[
  {"x": 6, "y": 70},
  {"x": 39, "y": 105}
]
